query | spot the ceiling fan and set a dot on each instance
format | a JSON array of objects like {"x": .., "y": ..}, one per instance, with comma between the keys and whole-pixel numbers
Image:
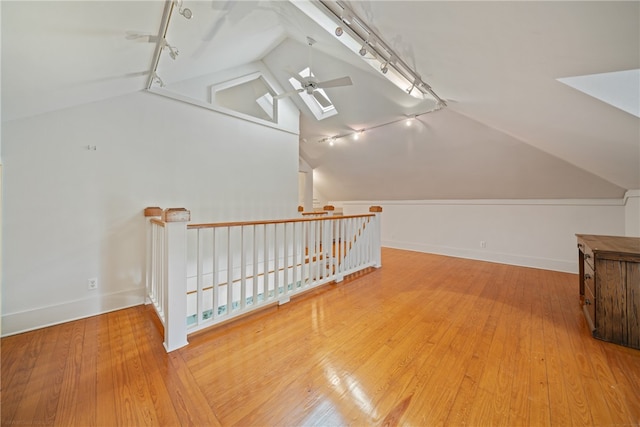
[{"x": 310, "y": 84}]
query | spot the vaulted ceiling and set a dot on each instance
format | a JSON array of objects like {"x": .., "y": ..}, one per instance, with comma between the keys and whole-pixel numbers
[{"x": 510, "y": 128}]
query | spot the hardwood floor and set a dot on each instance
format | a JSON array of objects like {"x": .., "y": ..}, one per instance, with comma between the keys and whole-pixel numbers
[{"x": 425, "y": 340}]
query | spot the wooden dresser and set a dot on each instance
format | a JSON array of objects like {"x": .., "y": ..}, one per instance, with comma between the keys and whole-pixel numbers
[{"x": 609, "y": 269}]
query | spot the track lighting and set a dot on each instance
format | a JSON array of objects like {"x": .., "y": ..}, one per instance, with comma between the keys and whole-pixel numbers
[
  {"x": 363, "y": 50},
  {"x": 410, "y": 89},
  {"x": 345, "y": 18},
  {"x": 173, "y": 52},
  {"x": 186, "y": 12},
  {"x": 156, "y": 79},
  {"x": 354, "y": 33},
  {"x": 385, "y": 67},
  {"x": 408, "y": 121}
]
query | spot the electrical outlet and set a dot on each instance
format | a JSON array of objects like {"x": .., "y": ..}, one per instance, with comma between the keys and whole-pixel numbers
[
  {"x": 483, "y": 244},
  {"x": 92, "y": 284}
]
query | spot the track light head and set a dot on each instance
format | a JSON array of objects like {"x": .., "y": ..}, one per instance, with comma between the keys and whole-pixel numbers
[
  {"x": 173, "y": 52},
  {"x": 363, "y": 50},
  {"x": 339, "y": 31},
  {"x": 186, "y": 12},
  {"x": 156, "y": 79}
]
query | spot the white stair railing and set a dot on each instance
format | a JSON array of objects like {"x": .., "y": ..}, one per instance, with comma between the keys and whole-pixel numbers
[{"x": 199, "y": 275}]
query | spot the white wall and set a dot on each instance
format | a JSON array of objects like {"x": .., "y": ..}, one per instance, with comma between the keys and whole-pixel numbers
[
  {"x": 71, "y": 213},
  {"x": 533, "y": 233}
]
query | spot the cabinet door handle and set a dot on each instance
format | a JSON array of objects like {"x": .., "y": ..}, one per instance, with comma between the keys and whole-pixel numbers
[
  {"x": 587, "y": 256},
  {"x": 587, "y": 302},
  {"x": 587, "y": 276},
  {"x": 580, "y": 245}
]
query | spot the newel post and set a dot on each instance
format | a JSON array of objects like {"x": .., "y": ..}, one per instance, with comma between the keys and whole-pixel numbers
[
  {"x": 175, "y": 303},
  {"x": 377, "y": 236}
]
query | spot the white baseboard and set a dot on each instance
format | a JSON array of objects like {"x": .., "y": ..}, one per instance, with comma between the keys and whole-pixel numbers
[
  {"x": 15, "y": 323},
  {"x": 484, "y": 255}
]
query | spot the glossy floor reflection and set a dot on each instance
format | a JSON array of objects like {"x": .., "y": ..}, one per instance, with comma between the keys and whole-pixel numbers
[{"x": 425, "y": 340}]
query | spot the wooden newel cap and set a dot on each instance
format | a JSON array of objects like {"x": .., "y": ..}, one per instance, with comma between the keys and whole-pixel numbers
[
  {"x": 375, "y": 209},
  {"x": 176, "y": 215},
  {"x": 329, "y": 208},
  {"x": 300, "y": 208},
  {"x": 153, "y": 211}
]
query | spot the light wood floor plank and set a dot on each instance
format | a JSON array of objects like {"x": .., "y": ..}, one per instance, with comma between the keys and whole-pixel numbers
[{"x": 425, "y": 340}]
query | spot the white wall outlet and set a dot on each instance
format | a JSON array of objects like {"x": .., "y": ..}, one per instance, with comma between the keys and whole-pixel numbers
[
  {"x": 92, "y": 284},
  {"x": 483, "y": 244}
]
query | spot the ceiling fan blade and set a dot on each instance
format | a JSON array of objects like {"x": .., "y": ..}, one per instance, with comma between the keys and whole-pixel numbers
[
  {"x": 284, "y": 95},
  {"x": 321, "y": 99},
  {"x": 342, "y": 81},
  {"x": 297, "y": 77}
]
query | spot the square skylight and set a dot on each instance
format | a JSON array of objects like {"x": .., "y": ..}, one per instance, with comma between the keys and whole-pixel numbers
[
  {"x": 619, "y": 88},
  {"x": 319, "y": 111}
]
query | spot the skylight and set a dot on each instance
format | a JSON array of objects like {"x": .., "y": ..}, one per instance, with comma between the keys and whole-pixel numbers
[
  {"x": 620, "y": 88},
  {"x": 266, "y": 103},
  {"x": 249, "y": 95},
  {"x": 318, "y": 110}
]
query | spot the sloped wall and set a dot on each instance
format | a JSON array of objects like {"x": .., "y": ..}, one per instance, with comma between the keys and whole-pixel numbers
[{"x": 72, "y": 212}]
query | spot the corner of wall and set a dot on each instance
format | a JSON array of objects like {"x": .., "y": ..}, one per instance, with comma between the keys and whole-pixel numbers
[{"x": 632, "y": 213}]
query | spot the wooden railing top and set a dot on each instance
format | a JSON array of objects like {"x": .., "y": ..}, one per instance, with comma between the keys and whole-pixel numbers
[
  {"x": 315, "y": 213},
  {"x": 274, "y": 221}
]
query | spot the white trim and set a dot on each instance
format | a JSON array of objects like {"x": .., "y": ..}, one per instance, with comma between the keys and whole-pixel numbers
[
  {"x": 495, "y": 257},
  {"x": 258, "y": 75},
  {"x": 492, "y": 202},
  {"x": 226, "y": 111},
  {"x": 631, "y": 194},
  {"x": 24, "y": 321}
]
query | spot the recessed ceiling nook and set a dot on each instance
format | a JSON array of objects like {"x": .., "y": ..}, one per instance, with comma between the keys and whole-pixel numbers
[{"x": 260, "y": 90}]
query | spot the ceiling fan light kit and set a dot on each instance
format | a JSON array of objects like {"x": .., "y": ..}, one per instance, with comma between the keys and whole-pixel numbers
[{"x": 356, "y": 35}]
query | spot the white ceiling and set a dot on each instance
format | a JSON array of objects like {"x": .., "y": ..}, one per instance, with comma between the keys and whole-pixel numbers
[{"x": 511, "y": 129}]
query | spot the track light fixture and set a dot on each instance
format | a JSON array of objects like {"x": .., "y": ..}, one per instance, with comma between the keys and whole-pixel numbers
[
  {"x": 385, "y": 67},
  {"x": 413, "y": 85},
  {"x": 363, "y": 49},
  {"x": 173, "y": 52},
  {"x": 346, "y": 18},
  {"x": 186, "y": 12},
  {"x": 357, "y": 134},
  {"x": 156, "y": 79},
  {"x": 337, "y": 18}
]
